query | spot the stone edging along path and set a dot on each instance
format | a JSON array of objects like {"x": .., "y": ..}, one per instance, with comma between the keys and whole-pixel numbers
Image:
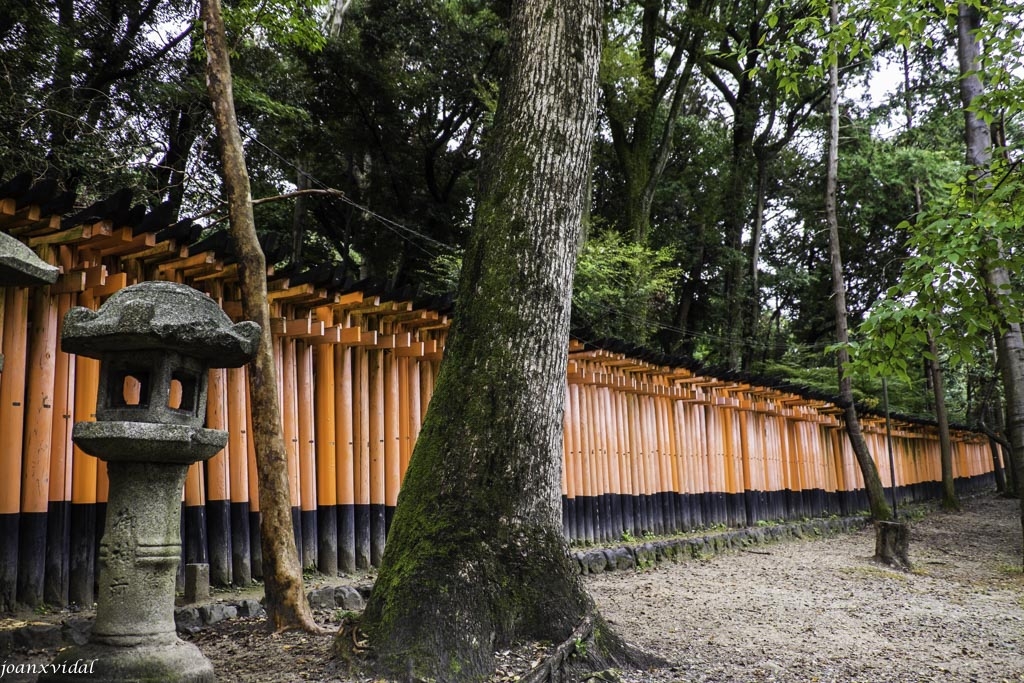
[
  {"x": 641, "y": 555},
  {"x": 628, "y": 556}
]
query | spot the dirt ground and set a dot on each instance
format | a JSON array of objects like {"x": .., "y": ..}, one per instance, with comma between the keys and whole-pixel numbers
[
  {"x": 797, "y": 612},
  {"x": 823, "y": 611},
  {"x": 793, "y": 612}
]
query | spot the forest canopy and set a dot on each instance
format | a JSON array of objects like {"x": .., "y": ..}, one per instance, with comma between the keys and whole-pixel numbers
[{"x": 705, "y": 232}]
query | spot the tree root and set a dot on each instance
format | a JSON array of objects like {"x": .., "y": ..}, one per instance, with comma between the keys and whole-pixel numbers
[
  {"x": 350, "y": 642},
  {"x": 283, "y": 621},
  {"x": 303, "y": 622},
  {"x": 592, "y": 653},
  {"x": 553, "y": 668}
]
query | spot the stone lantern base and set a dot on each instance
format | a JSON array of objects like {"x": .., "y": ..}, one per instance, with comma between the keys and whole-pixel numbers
[
  {"x": 134, "y": 637},
  {"x": 176, "y": 662}
]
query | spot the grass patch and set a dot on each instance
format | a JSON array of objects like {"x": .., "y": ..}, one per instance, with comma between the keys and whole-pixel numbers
[
  {"x": 866, "y": 571},
  {"x": 1011, "y": 569}
]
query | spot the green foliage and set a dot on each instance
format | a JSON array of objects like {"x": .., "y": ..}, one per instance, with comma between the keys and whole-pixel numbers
[
  {"x": 942, "y": 288},
  {"x": 1002, "y": 60},
  {"x": 807, "y": 44},
  {"x": 880, "y": 183},
  {"x": 820, "y": 378},
  {"x": 87, "y": 88},
  {"x": 401, "y": 95},
  {"x": 624, "y": 70},
  {"x": 441, "y": 274},
  {"x": 908, "y": 395},
  {"x": 393, "y": 109},
  {"x": 259, "y": 102},
  {"x": 285, "y": 23},
  {"x": 620, "y": 286}
]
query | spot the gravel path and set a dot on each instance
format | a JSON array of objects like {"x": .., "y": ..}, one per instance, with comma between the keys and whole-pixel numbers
[{"x": 823, "y": 611}]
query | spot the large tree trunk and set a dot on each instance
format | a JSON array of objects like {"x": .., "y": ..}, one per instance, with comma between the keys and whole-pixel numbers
[
  {"x": 475, "y": 558},
  {"x": 880, "y": 510},
  {"x": 1009, "y": 343},
  {"x": 286, "y": 603}
]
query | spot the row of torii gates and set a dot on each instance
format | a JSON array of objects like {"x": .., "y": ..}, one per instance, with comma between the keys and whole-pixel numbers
[{"x": 652, "y": 444}]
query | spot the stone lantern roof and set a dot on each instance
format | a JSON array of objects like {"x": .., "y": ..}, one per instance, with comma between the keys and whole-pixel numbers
[
  {"x": 20, "y": 266},
  {"x": 161, "y": 316}
]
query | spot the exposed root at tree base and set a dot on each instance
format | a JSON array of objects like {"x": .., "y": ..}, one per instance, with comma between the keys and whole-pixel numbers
[
  {"x": 305, "y": 624},
  {"x": 591, "y": 653},
  {"x": 350, "y": 643}
]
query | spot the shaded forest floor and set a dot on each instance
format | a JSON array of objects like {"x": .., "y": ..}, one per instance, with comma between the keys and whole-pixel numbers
[
  {"x": 816, "y": 610},
  {"x": 792, "y": 612}
]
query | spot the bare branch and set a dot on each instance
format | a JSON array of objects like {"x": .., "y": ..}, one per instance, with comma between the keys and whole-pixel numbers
[{"x": 329, "y": 192}]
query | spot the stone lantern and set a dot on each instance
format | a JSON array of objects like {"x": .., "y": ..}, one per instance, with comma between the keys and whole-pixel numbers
[
  {"x": 20, "y": 267},
  {"x": 155, "y": 342}
]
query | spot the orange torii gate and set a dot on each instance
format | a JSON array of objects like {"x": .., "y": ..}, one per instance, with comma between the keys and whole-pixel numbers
[{"x": 651, "y": 444}]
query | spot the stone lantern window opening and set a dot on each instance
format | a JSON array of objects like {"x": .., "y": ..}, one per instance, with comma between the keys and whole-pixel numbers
[
  {"x": 134, "y": 389},
  {"x": 184, "y": 395},
  {"x": 152, "y": 385},
  {"x": 174, "y": 400}
]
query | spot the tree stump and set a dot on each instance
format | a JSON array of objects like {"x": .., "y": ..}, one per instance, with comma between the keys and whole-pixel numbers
[{"x": 892, "y": 542}]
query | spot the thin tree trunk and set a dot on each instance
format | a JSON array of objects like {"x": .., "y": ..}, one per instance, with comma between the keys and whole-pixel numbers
[
  {"x": 1009, "y": 342},
  {"x": 286, "y": 603},
  {"x": 644, "y": 141},
  {"x": 1012, "y": 477},
  {"x": 937, "y": 381},
  {"x": 949, "y": 498},
  {"x": 880, "y": 510},
  {"x": 997, "y": 466},
  {"x": 476, "y": 559},
  {"x": 735, "y": 260},
  {"x": 753, "y": 317},
  {"x": 299, "y": 214},
  {"x": 678, "y": 338},
  {"x": 993, "y": 423}
]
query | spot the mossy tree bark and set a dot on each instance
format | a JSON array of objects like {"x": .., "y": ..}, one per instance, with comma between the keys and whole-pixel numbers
[
  {"x": 286, "y": 603},
  {"x": 880, "y": 510},
  {"x": 475, "y": 557}
]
